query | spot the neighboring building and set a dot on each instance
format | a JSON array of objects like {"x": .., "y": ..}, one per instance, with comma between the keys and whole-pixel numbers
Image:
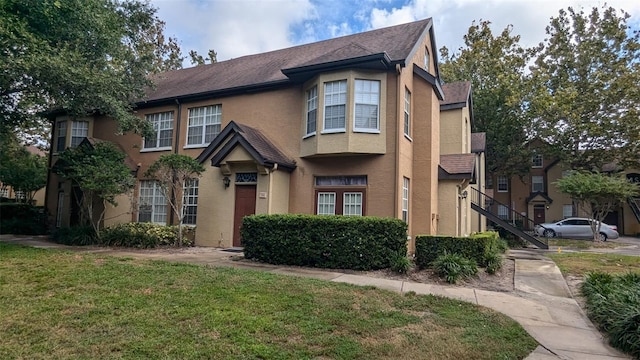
[
  {"x": 9, "y": 193},
  {"x": 537, "y": 197},
  {"x": 348, "y": 126}
]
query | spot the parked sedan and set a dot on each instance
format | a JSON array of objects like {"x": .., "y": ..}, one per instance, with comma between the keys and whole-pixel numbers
[{"x": 575, "y": 228}]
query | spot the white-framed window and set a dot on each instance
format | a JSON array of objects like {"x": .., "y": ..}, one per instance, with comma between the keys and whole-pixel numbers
[
  {"x": 407, "y": 112},
  {"x": 61, "y": 136},
  {"x": 204, "y": 125},
  {"x": 426, "y": 58},
  {"x": 4, "y": 192},
  {"x": 190, "y": 201},
  {"x": 503, "y": 212},
  {"x": 366, "y": 109},
  {"x": 503, "y": 184},
  {"x": 352, "y": 204},
  {"x": 405, "y": 199},
  {"x": 312, "y": 111},
  {"x": 326, "y": 203},
  {"x": 335, "y": 105},
  {"x": 152, "y": 206},
  {"x": 163, "y": 126},
  {"x": 537, "y": 183},
  {"x": 20, "y": 195},
  {"x": 79, "y": 131},
  {"x": 567, "y": 211},
  {"x": 59, "y": 209},
  {"x": 536, "y": 160}
]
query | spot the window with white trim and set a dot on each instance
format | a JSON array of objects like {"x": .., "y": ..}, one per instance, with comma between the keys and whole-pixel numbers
[
  {"x": 312, "y": 110},
  {"x": 503, "y": 184},
  {"x": 537, "y": 183},
  {"x": 20, "y": 195},
  {"x": 326, "y": 203},
  {"x": 426, "y": 58},
  {"x": 405, "y": 199},
  {"x": 567, "y": 211},
  {"x": 79, "y": 131},
  {"x": 503, "y": 212},
  {"x": 335, "y": 104},
  {"x": 204, "y": 124},
  {"x": 163, "y": 127},
  {"x": 152, "y": 206},
  {"x": 61, "y": 137},
  {"x": 352, "y": 204},
  {"x": 407, "y": 112},
  {"x": 190, "y": 201},
  {"x": 536, "y": 160},
  {"x": 367, "y": 101},
  {"x": 4, "y": 192},
  {"x": 59, "y": 209}
]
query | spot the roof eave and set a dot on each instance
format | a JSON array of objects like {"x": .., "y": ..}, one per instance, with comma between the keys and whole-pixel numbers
[{"x": 379, "y": 61}]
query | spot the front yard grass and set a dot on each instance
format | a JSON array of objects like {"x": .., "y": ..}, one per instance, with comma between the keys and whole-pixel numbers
[
  {"x": 581, "y": 263},
  {"x": 583, "y": 244},
  {"x": 61, "y": 305}
]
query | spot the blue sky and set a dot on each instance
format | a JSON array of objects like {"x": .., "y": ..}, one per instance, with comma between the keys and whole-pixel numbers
[{"x": 242, "y": 27}]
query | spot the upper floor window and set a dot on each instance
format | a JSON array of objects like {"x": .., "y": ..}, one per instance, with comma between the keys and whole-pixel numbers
[
  {"x": 61, "y": 136},
  {"x": 407, "y": 112},
  {"x": 79, "y": 131},
  {"x": 537, "y": 184},
  {"x": 367, "y": 100},
  {"x": 204, "y": 124},
  {"x": 503, "y": 184},
  {"x": 163, "y": 126},
  {"x": 426, "y": 58},
  {"x": 536, "y": 160},
  {"x": 335, "y": 103},
  {"x": 312, "y": 110}
]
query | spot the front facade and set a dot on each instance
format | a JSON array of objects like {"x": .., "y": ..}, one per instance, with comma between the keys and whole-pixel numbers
[
  {"x": 537, "y": 197},
  {"x": 348, "y": 126}
]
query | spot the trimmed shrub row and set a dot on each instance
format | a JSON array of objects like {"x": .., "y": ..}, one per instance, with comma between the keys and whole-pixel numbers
[
  {"x": 478, "y": 247},
  {"x": 340, "y": 242},
  {"x": 613, "y": 303},
  {"x": 22, "y": 219},
  {"x": 139, "y": 235}
]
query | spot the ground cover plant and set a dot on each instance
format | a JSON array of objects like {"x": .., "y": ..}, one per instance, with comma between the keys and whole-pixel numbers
[{"x": 56, "y": 304}]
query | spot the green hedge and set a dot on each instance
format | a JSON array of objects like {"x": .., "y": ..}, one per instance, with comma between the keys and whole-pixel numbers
[
  {"x": 340, "y": 242},
  {"x": 475, "y": 247},
  {"x": 24, "y": 219},
  {"x": 145, "y": 235}
]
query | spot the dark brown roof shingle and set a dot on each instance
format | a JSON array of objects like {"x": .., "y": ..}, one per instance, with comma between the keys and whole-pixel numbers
[
  {"x": 457, "y": 166},
  {"x": 456, "y": 93}
]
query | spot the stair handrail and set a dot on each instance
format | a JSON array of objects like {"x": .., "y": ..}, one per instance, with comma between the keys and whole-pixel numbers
[{"x": 480, "y": 199}]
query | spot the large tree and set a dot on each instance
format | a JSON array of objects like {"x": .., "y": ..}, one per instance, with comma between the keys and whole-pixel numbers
[
  {"x": 596, "y": 194},
  {"x": 99, "y": 170},
  {"x": 176, "y": 175},
  {"x": 81, "y": 56},
  {"x": 586, "y": 98},
  {"x": 495, "y": 65}
]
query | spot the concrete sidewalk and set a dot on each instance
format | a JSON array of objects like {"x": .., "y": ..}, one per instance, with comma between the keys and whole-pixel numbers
[{"x": 542, "y": 302}]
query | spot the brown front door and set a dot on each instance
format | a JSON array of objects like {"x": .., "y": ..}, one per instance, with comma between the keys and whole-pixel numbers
[
  {"x": 538, "y": 215},
  {"x": 245, "y": 205}
]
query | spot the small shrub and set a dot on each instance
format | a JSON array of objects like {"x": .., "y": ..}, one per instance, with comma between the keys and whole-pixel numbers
[
  {"x": 145, "y": 235},
  {"x": 22, "y": 219},
  {"x": 494, "y": 262},
  {"x": 475, "y": 247},
  {"x": 452, "y": 267},
  {"x": 401, "y": 264},
  {"x": 75, "y": 236}
]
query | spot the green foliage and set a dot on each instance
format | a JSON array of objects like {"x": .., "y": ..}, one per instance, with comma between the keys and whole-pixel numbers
[
  {"x": 175, "y": 173},
  {"x": 144, "y": 235},
  {"x": 20, "y": 169},
  {"x": 452, "y": 267},
  {"x": 596, "y": 193},
  {"x": 495, "y": 65},
  {"x": 340, "y": 242},
  {"x": 400, "y": 264},
  {"x": 80, "y": 56},
  {"x": 613, "y": 303},
  {"x": 585, "y": 89},
  {"x": 477, "y": 247},
  {"x": 100, "y": 172},
  {"x": 494, "y": 262},
  {"x": 22, "y": 219},
  {"x": 81, "y": 235}
]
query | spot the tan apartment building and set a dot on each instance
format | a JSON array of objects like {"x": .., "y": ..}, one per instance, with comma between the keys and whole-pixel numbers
[
  {"x": 537, "y": 197},
  {"x": 347, "y": 126}
]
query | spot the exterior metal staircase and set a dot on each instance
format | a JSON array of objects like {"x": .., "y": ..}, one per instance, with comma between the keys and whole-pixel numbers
[
  {"x": 514, "y": 222},
  {"x": 634, "y": 203}
]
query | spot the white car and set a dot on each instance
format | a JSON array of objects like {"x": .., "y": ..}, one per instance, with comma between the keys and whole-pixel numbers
[{"x": 575, "y": 228}]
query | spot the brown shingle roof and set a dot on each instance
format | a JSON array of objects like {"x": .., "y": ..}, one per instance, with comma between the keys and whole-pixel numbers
[
  {"x": 457, "y": 166},
  {"x": 396, "y": 42},
  {"x": 478, "y": 142},
  {"x": 456, "y": 94}
]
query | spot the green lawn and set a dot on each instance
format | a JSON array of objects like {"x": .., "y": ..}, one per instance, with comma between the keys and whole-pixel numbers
[
  {"x": 63, "y": 305},
  {"x": 582, "y": 263},
  {"x": 583, "y": 244}
]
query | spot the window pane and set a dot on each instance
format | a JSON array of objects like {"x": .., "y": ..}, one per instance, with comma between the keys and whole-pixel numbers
[
  {"x": 62, "y": 136},
  {"x": 204, "y": 124},
  {"x": 335, "y": 99},
  {"x": 326, "y": 203},
  {"x": 405, "y": 199},
  {"x": 152, "y": 203},
  {"x": 503, "y": 184},
  {"x": 367, "y": 99},
  {"x": 567, "y": 210},
  {"x": 79, "y": 131},
  {"x": 312, "y": 106},
  {"x": 352, "y": 204},
  {"x": 537, "y": 184},
  {"x": 407, "y": 112},
  {"x": 163, "y": 125},
  {"x": 341, "y": 180},
  {"x": 503, "y": 212},
  {"x": 190, "y": 201}
]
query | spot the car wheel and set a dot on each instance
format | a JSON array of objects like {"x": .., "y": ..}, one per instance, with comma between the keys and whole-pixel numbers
[
  {"x": 549, "y": 233},
  {"x": 602, "y": 237}
]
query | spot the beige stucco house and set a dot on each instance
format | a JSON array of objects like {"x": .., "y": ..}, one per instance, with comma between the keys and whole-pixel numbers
[{"x": 348, "y": 126}]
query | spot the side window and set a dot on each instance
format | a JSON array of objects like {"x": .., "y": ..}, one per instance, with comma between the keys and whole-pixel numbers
[
  {"x": 312, "y": 111},
  {"x": 335, "y": 103}
]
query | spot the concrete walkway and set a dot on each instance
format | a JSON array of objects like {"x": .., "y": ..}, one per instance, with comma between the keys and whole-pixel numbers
[{"x": 542, "y": 302}]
